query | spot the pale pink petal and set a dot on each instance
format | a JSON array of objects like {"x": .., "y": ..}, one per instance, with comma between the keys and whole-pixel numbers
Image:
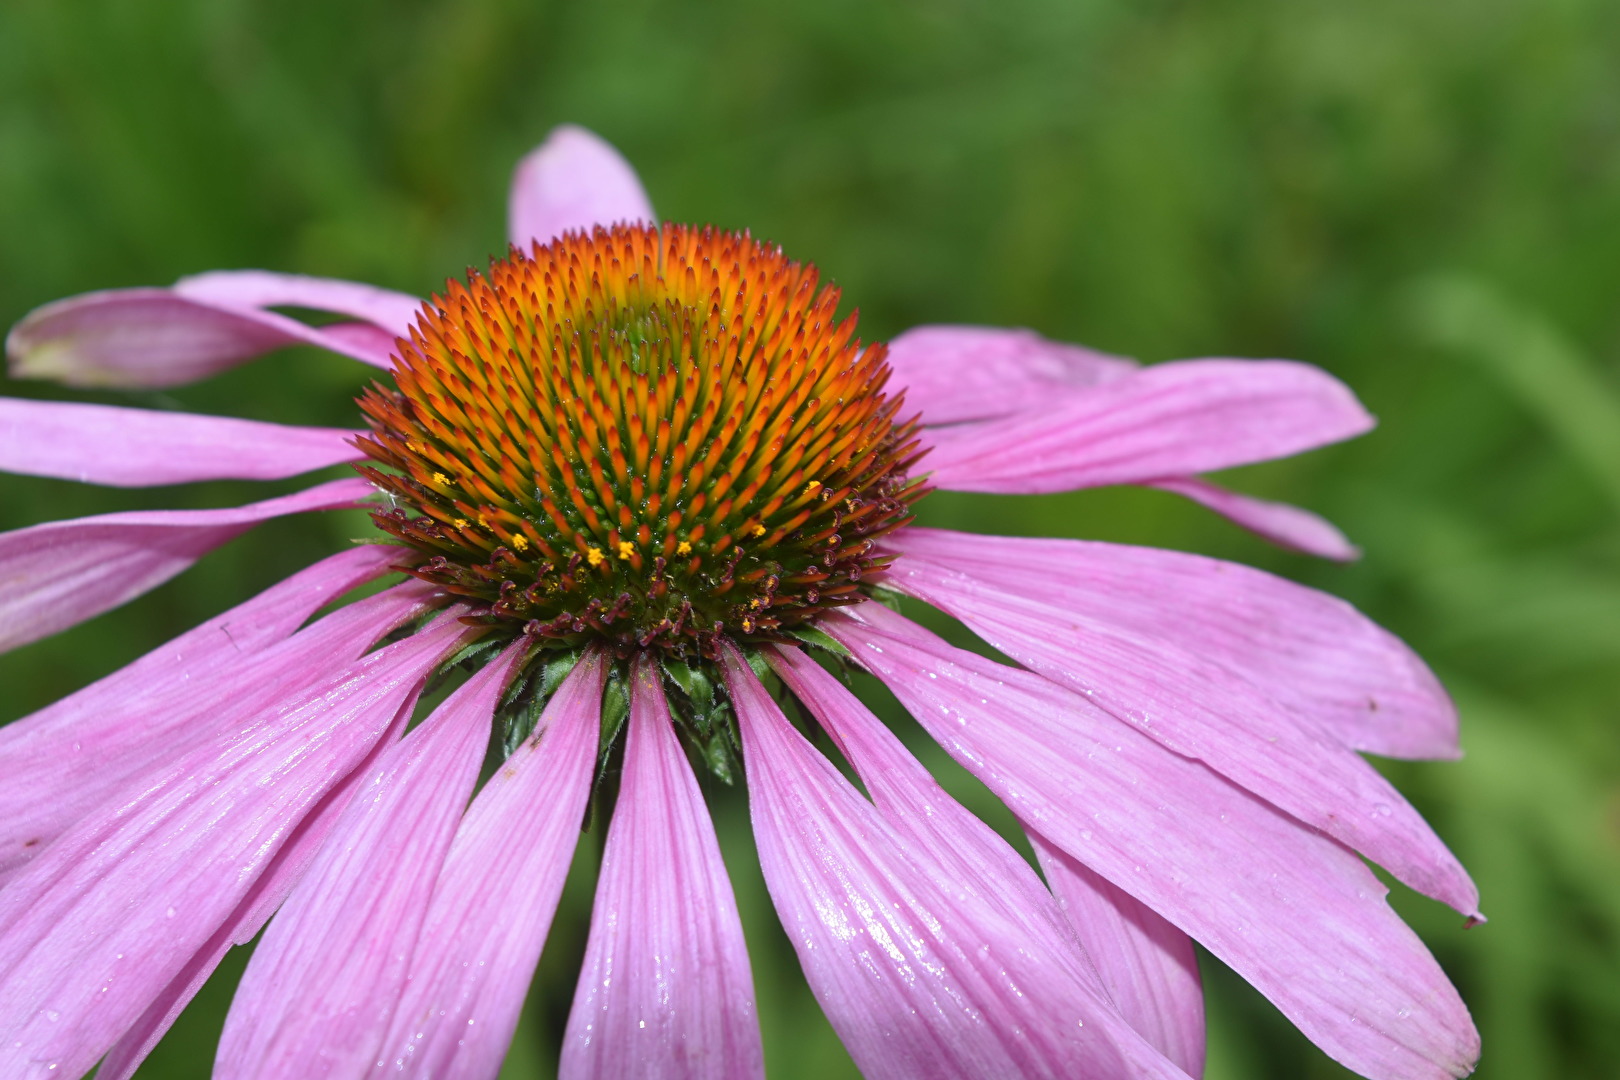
[
  {"x": 665, "y": 992},
  {"x": 918, "y": 973},
  {"x": 105, "y": 444},
  {"x": 389, "y": 311},
  {"x": 1149, "y": 968},
  {"x": 59, "y": 574},
  {"x": 77, "y": 753},
  {"x": 148, "y": 338},
  {"x": 1143, "y": 964},
  {"x": 94, "y": 930},
  {"x": 1284, "y": 525},
  {"x": 1358, "y": 682},
  {"x": 917, "y": 808},
  {"x": 324, "y": 980},
  {"x": 958, "y": 373},
  {"x": 1185, "y": 699},
  {"x": 284, "y": 870},
  {"x": 495, "y": 898},
  {"x": 573, "y": 181},
  {"x": 1292, "y": 911},
  {"x": 1163, "y": 422}
]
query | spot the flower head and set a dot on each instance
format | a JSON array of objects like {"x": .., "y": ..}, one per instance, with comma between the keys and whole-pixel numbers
[{"x": 642, "y": 482}]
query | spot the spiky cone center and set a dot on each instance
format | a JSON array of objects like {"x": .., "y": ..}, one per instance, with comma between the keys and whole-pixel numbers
[{"x": 649, "y": 437}]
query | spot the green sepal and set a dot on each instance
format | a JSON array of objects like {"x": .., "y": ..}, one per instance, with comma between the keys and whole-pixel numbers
[
  {"x": 694, "y": 682},
  {"x": 820, "y": 639},
  {"x": 615, "y": 710}
]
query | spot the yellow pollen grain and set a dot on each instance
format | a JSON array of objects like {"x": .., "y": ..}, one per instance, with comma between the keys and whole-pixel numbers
[
  {"x": 483, "y": 521},
  {"x": 748, "y": 626},
  {"x": 683, "y": 548},
  {"x": 593, "y": 555},
  {"x": 810, "y": 488},
  {"x": 441, "y": 479},
  {"x": 460, "y": 523},
  {"x": 626, "y": 549},
  {"x": 757, "y": 530},
  {"x": 520, "y": 542}
]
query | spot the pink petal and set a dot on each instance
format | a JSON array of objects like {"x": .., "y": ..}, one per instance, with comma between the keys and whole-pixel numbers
[
  {"x": 1149, "y": 968},
  {"x": 104, "y": 444},
  {"x": 1296, "y": 914},
  {"x": 957, "y": 373},
  {"x": 919, "y": 973},
  {"x": 1172, "y": 690},
  {"x": 1284, "y": 525},
  {"x": 284, "y": 870},
  {"x": 916, "y": 807},
  {"x": 1165, "y": 421},
  {"x": 98, "y": 926},
  {"x": 146, "y": 338},
  {"x": 665, "y": 992},
  {"x": 1356, "y": 681},
  {"x": 575, "y": 180},
  {"x": 68, "y": 758},
  {"x": 59, "y": 574},
  {"x": 494, "y": 901},
  {"x": 324, "y": 981},
  {"x": 250, "y": 290}
]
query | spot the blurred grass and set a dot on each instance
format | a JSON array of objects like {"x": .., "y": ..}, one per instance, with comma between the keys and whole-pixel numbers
[{"x": 1422, "y": 198}]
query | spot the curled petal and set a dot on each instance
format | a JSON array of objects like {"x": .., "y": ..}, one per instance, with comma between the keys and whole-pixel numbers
[
  {"x": 1149, "y": 968},
  {"x": 1165, "y": 421},
  {"x": 665, "y": 992},
  {"x": 1355, "y": 681},
  {"x": 1284, "y": 525},
  {"x": 149, "y": 338},
  {"x": 111, "y": 914},
  {"x": 573, "y": 181},
  {"x": 918, "y": 973},
  {"x": 250, "y": 290},
  {"x": 105, "y": 444},
  {"x": 59, "y": 574},
  {"x": 1295, "y": 913},
  {"x": 960, "y": 373},
  {"x": 495, "y": 898},
  {"x": 1166, "y": 687},
  {"x": 324, "y": 980}
]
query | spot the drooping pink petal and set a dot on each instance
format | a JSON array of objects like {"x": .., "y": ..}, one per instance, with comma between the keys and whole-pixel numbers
[
  {"x": 1165, "y": 421},
  {"x": 1143, "y": 964},
  {"x": 70, "y": 757},
  {"x": 1359, "y": 683},
  {"x": 59, "y": 574},
  {"x": 958, "y": 373},
  {"x": 1295, "y": 913},
  {"x": 95, "y": 929},
  {"x": 325, "y": 979},
  {"x": 104, "y": 444},
  {"x": 665, "y": 992},
  {"x": 571, "y": 182},
  {"x": 1149, "y": 968},
  {"x": 1193, "y": 705},
  {"x": 916, "y": 807},
  {"x": 390, "y": 311},
  {"x": 919, "y": 975},
  {"x": 1284, "y": 525},
  {"x": 284, "y": 870},
  {"x": 495, "y": 898},
  {"x": 149, "y": 338}
]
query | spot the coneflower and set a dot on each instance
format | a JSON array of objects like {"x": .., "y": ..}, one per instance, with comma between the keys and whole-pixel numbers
[{"x": 645, "y": 486}]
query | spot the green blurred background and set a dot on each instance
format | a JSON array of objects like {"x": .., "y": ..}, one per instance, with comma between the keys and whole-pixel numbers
[{"x": 1424, "y": 198}]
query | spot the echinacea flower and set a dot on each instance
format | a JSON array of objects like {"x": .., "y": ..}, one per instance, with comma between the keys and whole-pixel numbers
[{"x": 645, "y": 486}]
